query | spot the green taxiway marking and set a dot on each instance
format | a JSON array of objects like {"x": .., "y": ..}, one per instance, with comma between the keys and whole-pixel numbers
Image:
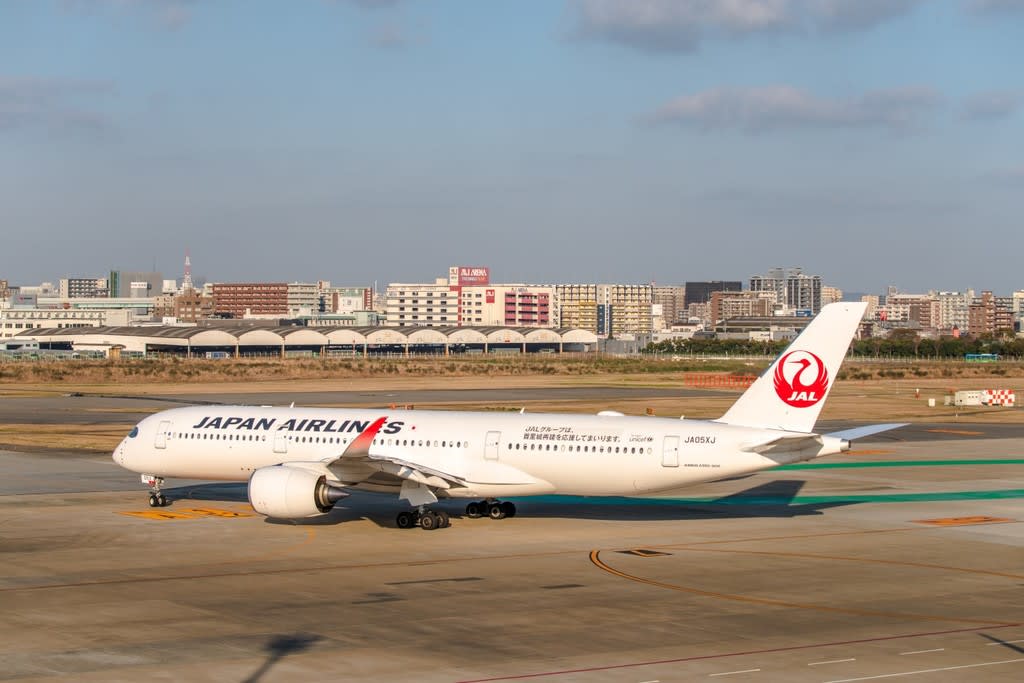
[
  {"x": 740, "y": 499},
  {"x": 873, "y": 498},
  {"x": 898, "y": 463}
]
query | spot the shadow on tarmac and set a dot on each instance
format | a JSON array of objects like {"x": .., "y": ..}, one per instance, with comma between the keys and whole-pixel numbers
[
  {"x": 998, "y": 641},
  {"x": 280, "y": 647},
  {"x": 772, "y": 499}
]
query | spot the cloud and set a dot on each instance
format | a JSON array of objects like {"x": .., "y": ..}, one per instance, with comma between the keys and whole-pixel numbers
[
  {"x": 994, "y": 104},
  {"x": 395, "y": 36},
  {"x": 756, "y": 110},
  {"x": 372, "y": 4},
  {"x": 995, "y": 6},
  {"x": 168, "y": 14},
  {"x": 52, "y": 105},
  {"x": 1012, "y": 176},
  {"x": 680, "y": 25}
]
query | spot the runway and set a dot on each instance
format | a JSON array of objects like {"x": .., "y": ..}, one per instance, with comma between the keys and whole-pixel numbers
[
  {"x": 901, "y": 559},
  {"x": 101, "y": 409}
]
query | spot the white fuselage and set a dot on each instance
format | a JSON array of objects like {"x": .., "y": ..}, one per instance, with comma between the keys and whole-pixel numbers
[{"x": 593, "y": 455}]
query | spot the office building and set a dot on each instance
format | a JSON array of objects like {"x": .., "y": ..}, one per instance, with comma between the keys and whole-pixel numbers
[
  {"x": 250, "y": 299},
  {"x": 794, "y": 290},
  {"x": 700, "y": 292},
  {"x": 672, "y": 300},
  {"x": 727, "y": 305},
  {"x": 607, "y": 310},
  {"x": 126, "y": 284}
]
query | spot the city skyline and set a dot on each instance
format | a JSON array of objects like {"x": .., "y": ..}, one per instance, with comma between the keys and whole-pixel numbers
[
  {"x": 497, "y": 277},
  {"x": 381, "y": 140}
]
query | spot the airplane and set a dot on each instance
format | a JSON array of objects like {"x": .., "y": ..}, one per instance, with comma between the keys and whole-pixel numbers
[{"x": 299, "y": 462}]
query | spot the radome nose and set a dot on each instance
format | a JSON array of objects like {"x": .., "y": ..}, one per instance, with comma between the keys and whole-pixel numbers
[{"x": 118, "y": 454}]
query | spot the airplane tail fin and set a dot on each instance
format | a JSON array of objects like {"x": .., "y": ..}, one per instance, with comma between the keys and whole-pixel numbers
[{"x": 791, "y": 393}]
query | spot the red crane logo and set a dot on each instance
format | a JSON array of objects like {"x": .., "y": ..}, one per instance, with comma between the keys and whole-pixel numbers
[{"x": 791, "y": 375}]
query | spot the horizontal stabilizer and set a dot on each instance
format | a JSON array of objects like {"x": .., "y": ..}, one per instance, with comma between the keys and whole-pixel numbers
[
  {"x": 789, "y": 443},
  {"x": 867, "y": 430}
]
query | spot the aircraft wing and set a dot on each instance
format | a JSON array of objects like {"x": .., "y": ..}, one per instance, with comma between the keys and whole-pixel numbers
[{"x": 420, "y": 477}]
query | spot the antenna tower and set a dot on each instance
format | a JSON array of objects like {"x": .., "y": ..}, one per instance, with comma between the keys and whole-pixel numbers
[{"x": 186, "y": 282}]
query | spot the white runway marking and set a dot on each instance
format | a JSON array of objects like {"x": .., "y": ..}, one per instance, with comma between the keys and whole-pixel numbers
[
  {"x": 730, "y": 673},
  {"x": 925, "y": 671},
  {"x": 833, "y": 661},
  {"x": 921, "y": 652},
  {"x": 1006, "y": 642}
]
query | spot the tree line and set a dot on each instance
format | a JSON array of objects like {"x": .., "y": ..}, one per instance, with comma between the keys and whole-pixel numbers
[{"x": 899, "y": 344}]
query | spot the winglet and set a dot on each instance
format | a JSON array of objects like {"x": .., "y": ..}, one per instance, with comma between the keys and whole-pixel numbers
[{"x": 360, "y": 446}]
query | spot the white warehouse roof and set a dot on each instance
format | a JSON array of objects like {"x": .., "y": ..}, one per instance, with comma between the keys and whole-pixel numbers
[{"x": 200, "y": 338}]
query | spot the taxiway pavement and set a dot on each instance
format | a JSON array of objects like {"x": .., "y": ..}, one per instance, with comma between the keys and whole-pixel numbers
[{"x": 901, "y": 559}]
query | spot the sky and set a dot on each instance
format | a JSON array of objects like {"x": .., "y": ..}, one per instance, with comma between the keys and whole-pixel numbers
[{"x": 873, "y": 142}]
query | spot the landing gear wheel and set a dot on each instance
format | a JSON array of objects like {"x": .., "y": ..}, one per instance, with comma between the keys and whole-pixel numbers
[
  {"x": 509, "y": 509},
  {"x": 156, "y": 496},
  {"x": 495, "y": 511},
  {"x": 443, "y": 519},
  {"x": 406, "y": 519},
  {"x": 473, "y": 510},
  {"x": 429, "y": 521}
]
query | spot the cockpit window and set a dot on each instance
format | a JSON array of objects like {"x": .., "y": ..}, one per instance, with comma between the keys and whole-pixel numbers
[{"x": 134, "y": 433}]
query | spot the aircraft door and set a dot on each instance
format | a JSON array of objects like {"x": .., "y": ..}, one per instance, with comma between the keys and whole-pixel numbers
[
  {"x": 161, "y": 434},
  {"x": 670, "y": 452},
  {"x": 280, "y": 442},
  {"x": 491, "y": 445}
]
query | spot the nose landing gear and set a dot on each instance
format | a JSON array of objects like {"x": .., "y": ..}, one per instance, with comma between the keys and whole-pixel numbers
[{"x": 156, "y": 497}]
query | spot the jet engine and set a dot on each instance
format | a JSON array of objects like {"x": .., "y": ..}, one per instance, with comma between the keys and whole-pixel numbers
[{"x": 285, "y": 492}]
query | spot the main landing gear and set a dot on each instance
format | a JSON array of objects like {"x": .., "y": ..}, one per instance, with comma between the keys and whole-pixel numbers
[
  {"x": 156, "y": 498},
  {"x": 495, "y": 509},
  {"x": 428, "y": 520}
]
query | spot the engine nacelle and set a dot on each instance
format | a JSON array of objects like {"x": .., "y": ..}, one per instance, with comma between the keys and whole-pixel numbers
[{"x": 285, "y": 492}]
